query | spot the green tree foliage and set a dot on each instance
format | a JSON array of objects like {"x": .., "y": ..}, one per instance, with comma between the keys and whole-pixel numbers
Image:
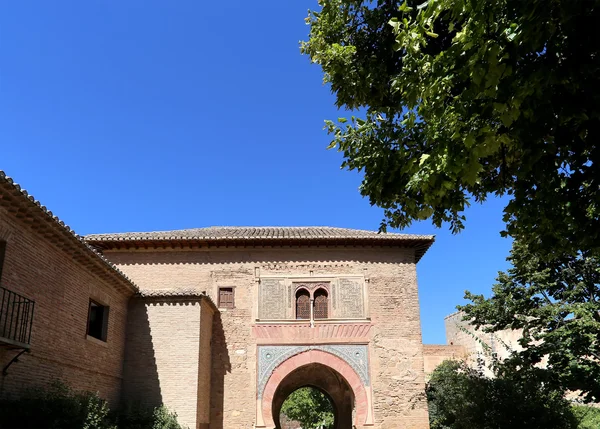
[
  {"x": 463, "y": 99},
  {"x": 459, "y": 100},
  {"x": 462, "y": 398},
  {"x": 587, "y": 417},
  {"x": 556, "y": 306},
  {"x": 136, "y": 416},
  {"x": 57, "y": 407},
  {"x": 310, "y": 407}
]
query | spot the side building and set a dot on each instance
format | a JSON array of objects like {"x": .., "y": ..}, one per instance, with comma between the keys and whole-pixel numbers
[
  {"x": 63, "y": 307},
  {"x": 474, "y": 346}
]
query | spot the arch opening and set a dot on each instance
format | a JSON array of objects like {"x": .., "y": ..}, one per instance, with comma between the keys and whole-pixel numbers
[
  {"x": 321, "y": 304},
  {"x": 325, "y": 380},
  {"x": 307, "y": 407},
  {"x": 302, "y": 304}
]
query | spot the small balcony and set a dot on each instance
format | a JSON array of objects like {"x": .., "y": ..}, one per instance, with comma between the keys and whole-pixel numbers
[{"x": 16, "y": 318}]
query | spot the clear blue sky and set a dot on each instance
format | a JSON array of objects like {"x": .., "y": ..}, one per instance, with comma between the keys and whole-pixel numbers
[{"x": 155, "y": 115}]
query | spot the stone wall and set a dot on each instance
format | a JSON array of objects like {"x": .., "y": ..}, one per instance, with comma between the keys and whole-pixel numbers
[
  {"x": 435, "y": 354},
  {"x": 389, "y": 275},
  {"x": 51, "y": 275},
  {"x": 479, "y": 345}
]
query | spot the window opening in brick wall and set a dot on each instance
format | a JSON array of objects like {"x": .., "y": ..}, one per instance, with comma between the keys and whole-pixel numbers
[
  {"x": 321, "y": 304},
  {"x": 97, "y": 320},
  {"x": 2, "y": 252},
  {"x": 302, "y": 304},
  {"x": 226, "y": 299}
]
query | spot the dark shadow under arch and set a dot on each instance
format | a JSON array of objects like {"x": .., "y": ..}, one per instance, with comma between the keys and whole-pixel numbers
[{"x": 325, "y": 379}]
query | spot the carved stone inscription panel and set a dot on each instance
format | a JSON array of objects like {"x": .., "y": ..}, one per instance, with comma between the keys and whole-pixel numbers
[
  {"x": 277, "y": 296},
  {"x": 272, "y": 302},
  {"x": 349, "y": 298}
]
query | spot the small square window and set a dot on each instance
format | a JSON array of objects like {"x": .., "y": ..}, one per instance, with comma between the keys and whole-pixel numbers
[
  {"x": 97, "y": 326},
  {"x": 226, "y": 297}
]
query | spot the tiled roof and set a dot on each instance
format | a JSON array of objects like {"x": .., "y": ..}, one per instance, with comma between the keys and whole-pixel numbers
[
  {"x": 256, "y": 232},
  {"x": 175, "y": 294},
  {"x": 23, "y": 205},
  {"x": 266, "y": 235}
]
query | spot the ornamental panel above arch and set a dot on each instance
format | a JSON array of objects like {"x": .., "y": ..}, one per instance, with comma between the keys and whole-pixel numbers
[{"x": 350, "y": 361}]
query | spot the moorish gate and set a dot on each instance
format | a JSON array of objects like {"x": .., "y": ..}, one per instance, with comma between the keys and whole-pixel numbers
[{"x": 230, "y": 321}]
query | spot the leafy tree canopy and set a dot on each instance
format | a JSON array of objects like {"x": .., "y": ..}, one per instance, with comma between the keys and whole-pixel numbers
[
  {"x": 463, "y": 99},
  {"x": 460, "y": 397},
  {"x": 458, "y": 100},
  {"x": 557, "y": 307},
  {"x": 310, "y": 407},
  {"x": 588, "y": 417}
]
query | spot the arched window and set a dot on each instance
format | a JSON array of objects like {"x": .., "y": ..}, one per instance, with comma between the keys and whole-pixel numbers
[
  {"x": 302, "y": 304},
  {"x": 321, "y": 304}
]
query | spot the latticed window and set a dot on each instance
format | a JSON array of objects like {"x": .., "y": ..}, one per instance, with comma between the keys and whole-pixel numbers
[
  {"x": 302, "y": 304},
  {"x": 321, "y": 304},
  {"x": 226, "y": 297}
]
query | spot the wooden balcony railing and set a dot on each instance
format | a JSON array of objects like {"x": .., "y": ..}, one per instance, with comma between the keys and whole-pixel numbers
[{"x": 16, "y": 319}]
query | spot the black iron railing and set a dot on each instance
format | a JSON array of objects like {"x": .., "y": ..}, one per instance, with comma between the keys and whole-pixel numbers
[{"x": 16, "y": 317}]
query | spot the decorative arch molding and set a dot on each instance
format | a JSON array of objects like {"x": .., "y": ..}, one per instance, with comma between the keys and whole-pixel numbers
[
  {"x": 311, "y": 286},
  {"x": 306, "y": 356},
  {"x": 270, "y": 357}
]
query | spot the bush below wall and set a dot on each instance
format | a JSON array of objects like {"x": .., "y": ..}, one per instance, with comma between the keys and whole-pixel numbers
[
  {"x": 60, "y": 407},
  {"x": 587, "y": 417}
]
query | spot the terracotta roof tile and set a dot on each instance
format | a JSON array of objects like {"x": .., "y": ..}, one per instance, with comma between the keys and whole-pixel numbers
[
  {"x": 266, "y": 235},
  {"x": 251, "y": 233},
  {"x": 12, "y": 192}
]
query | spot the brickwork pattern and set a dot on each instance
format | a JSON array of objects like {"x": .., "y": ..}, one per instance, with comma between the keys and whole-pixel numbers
[
  {"x": 40, "y": 270},
  {"x": 396, "y": 355},
  {"x": 165, "y": 363}
]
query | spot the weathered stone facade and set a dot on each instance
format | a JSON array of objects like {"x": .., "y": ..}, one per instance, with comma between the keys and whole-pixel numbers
[
  {"x": 221, "y": 366},
  {"x": 384, "y": 318}
]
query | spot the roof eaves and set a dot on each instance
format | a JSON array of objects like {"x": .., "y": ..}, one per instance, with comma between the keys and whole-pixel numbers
[
  {"x": 63, "y": 229},
  {"x": 420, "y": 243},
  {"x": 175, "y": 294}
]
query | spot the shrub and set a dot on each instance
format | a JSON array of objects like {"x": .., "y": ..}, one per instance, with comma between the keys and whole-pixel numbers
[
  {"x": 60, "y": 407},
  {"x": 587, "y": 417},
  {"x": 136, "y": 416},
  {"x": 460, "y": 397},
  {"x": 164, "y": 419},
  {"x": 57, "y": 407}
]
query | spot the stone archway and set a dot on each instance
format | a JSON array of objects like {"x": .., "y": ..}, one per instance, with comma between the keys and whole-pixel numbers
[
  {"x": 325, "y": 371},
  {"x": 323, "y": 378}
]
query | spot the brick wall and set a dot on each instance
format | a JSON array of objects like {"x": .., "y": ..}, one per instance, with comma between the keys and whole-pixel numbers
[
  {"x": 396, "y": 356},
  {"x": 167, "y": 358},
  {"x": 38, "y": 269}
]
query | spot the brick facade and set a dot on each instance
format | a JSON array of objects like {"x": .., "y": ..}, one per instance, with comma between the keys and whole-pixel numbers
[
  {"x": 61, "y": 277},
  {"x": 394, "y": 335},
  {"x": 219, "y": 368},
  {"x": 168, "y": 355}
]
